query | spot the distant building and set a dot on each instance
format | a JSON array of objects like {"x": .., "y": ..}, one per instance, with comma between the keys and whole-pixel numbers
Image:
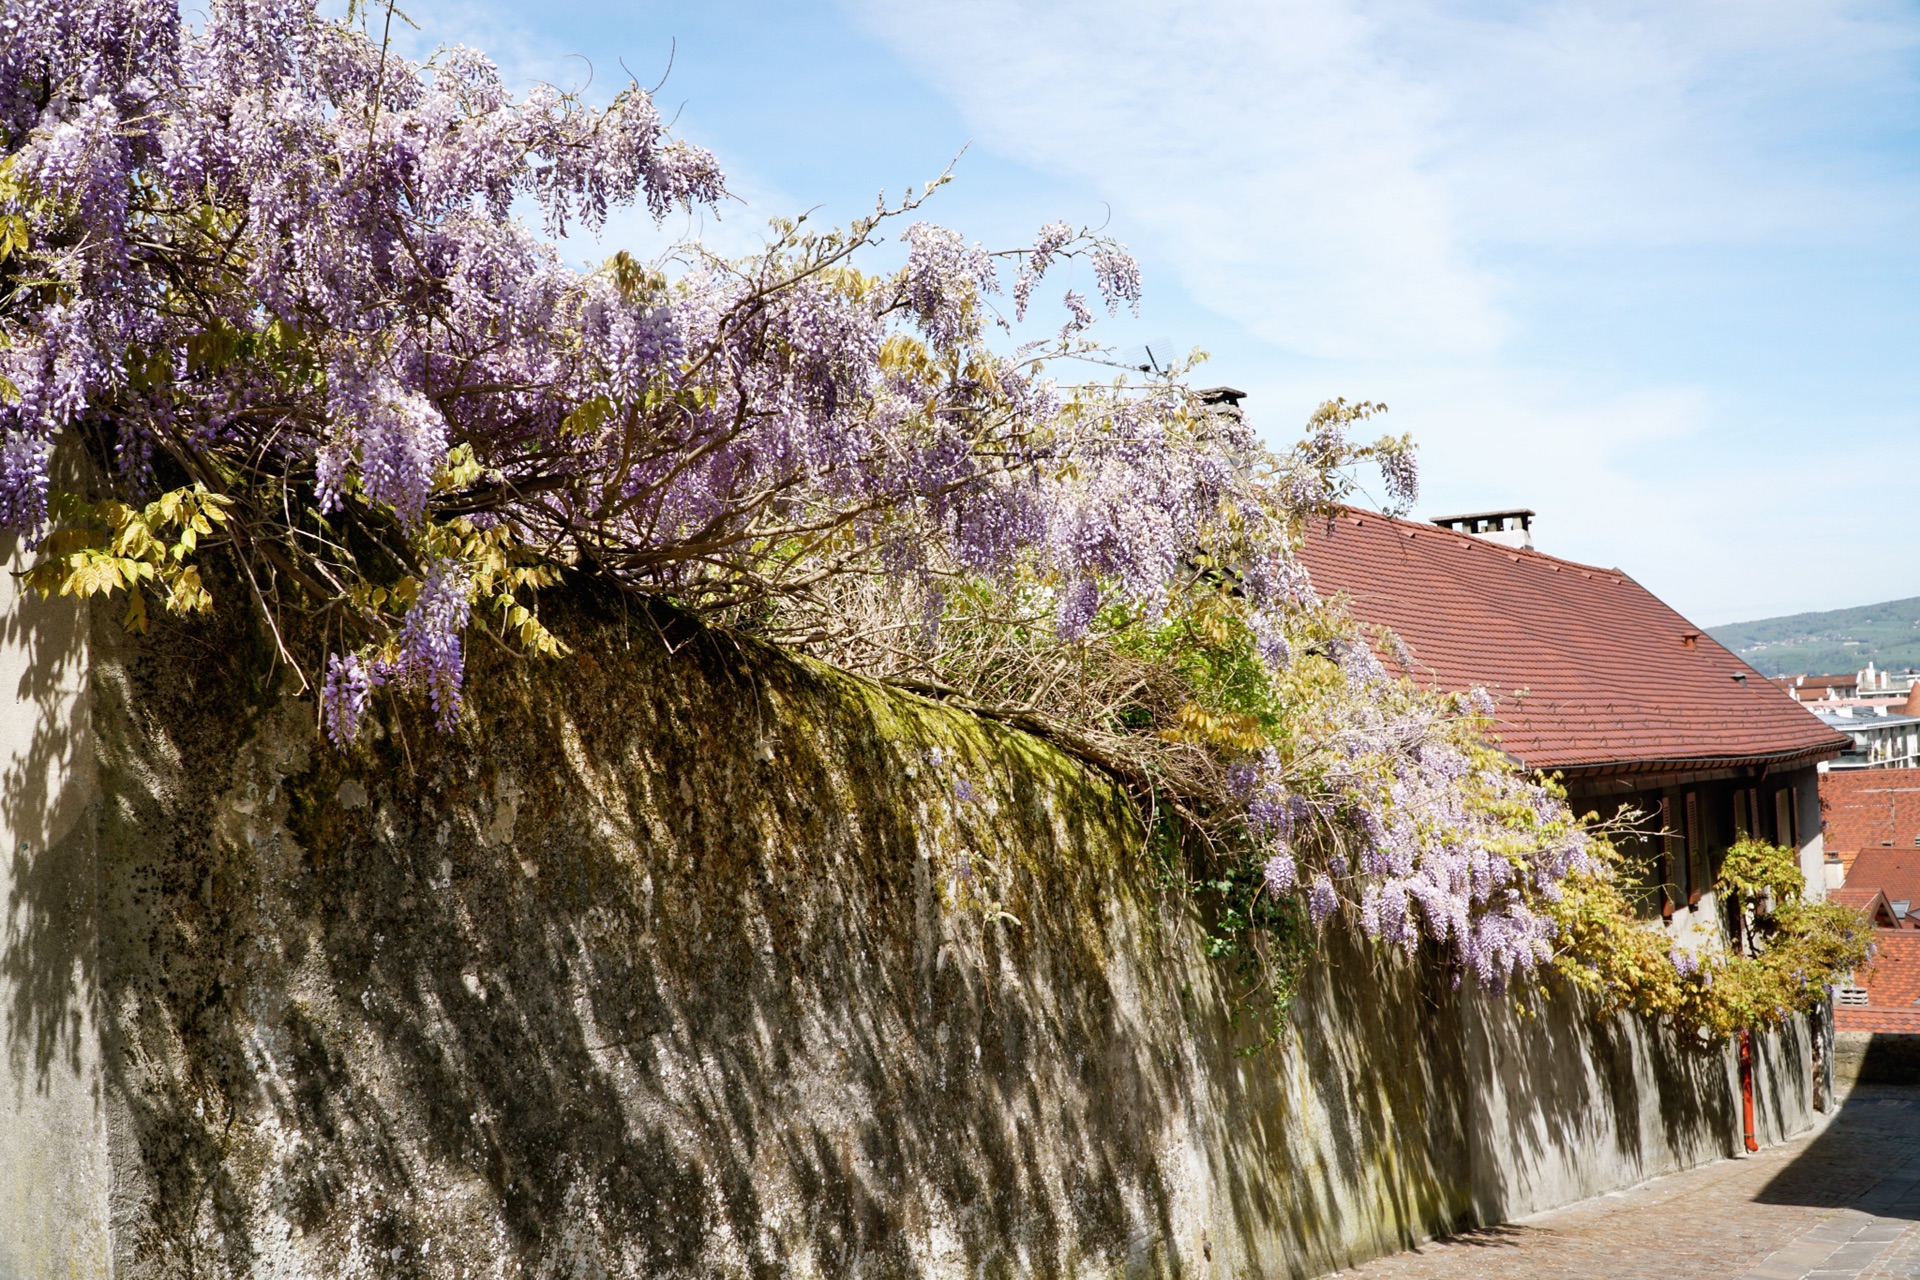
[
  {"x": 1882, "y": 737},
  {"x": 1874, "y": 905},
  {"x": 1869, "y": 685},
  {"x": 1878, "y": 711},
  {"x": 1813, "y": 688},
  {"x": 1597, "y": 680},
  {"x": 1887, "y": 996},
  {"x": 1894, "y": 872}
]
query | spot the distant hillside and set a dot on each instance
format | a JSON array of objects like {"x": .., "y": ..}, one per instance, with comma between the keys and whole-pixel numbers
[{"x": 1838, "y": 640}]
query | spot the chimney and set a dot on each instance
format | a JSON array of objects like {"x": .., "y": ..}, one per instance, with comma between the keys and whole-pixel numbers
[
  {"x": 1513, "y": 528},
  {"x": 1912, "y": 705},
  {"x": 1222, "y": 399}
]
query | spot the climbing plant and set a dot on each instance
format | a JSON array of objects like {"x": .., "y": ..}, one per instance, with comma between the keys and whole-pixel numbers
[
  {"x": 284, "y": 326},
  {"x": 1786, "y": 954}
]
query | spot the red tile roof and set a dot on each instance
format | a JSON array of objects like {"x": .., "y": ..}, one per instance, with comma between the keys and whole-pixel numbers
[
  {"x": 1820, "y": 684},
  {"x": 1614, "y": 679},
  {"x": 1895, "y": 872},
  {"x": 1870, "y": 809},
  {"x": 1849, "y": 1018},
  {"x": 1873, "y": 903},
  {"x": 1893, "y": 980}
]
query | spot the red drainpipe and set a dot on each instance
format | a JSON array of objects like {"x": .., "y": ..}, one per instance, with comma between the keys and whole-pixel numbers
[{"x": 1746, "y": 1088}]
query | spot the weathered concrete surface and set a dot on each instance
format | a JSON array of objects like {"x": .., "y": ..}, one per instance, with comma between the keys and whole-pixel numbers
[
  {"x": 1563, "y": 1106},
  {"x": 1877, "y": 1057},
  {"x": 686, "y": 958},
  {"x": 53, "y": 1150}
]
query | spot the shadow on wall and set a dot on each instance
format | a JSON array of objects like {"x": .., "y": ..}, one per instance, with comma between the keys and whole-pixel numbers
[
  {"x": 1565, "y": 1104},
  {"x": 47, "y": 951},
  {"x": 693, "y": 959},
  {"x": 1863, "y": 1160},
  {"x": 684, "y": 957}
]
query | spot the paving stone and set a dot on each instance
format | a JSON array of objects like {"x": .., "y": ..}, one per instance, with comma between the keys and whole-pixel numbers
[{"x": 1842, "y": 1203}]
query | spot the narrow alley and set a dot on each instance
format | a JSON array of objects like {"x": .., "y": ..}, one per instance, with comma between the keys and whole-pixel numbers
[{"x": 1840, "y": 1203}]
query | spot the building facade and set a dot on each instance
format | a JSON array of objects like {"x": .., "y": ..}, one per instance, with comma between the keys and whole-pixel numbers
[
  {"x": 1642, "y": 715},
  {"x": 1883, "y": 737}
]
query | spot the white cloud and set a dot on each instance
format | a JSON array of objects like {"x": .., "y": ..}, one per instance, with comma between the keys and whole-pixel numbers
[
  {"x": 1279, "y": 163},
  {"x": 1331, "y": 175},
  {"x": 1398, "y": 199}
]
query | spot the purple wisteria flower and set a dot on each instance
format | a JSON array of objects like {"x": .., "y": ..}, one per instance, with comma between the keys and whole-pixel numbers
[
  {"x": 346, "y": 696},
  {"x": 1322, "y": 899},
  {"x": 1078, "y": 603},
  {"x": 1053, "y": 237},
  {"x": 1400, "y": 468},
  {"x": 1279, "y": 873},
  {"x": 944, "y": 278},
  {"x": 432, "y": 639},
  {"x": 1118, "y": 276}
]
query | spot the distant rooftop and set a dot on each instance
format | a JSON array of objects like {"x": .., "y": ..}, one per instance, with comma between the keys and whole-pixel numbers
[
  {"x": 1614, "y": 680},
  {"x": 1872, "y": 720}
]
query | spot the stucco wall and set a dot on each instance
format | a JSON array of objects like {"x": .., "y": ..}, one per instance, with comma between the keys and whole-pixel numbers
[
  {"x": 53, "y": 1163},
  {"x": 680, "y": 962}
]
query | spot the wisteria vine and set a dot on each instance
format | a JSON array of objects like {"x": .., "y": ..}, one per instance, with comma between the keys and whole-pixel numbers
[{"x": 267, "y": 285}]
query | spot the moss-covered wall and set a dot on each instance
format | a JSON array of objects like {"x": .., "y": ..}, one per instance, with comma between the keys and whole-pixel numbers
[{"x": 686, "y": 958}]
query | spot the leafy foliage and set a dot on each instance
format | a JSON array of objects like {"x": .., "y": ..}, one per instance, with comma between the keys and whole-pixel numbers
[
  {"x": 268, "y": 280},
  {"x": 1761, "y": 872},
  {"x": 107, "y": 546},
  {"x": 1795, "y": 948}
]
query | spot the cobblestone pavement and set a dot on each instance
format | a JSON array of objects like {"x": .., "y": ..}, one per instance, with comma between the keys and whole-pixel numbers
[{"x": 1840, "y": 1204}]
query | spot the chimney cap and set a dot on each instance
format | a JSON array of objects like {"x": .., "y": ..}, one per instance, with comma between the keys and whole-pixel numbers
[
  {"x": 1512, "y": 527},
  {"x": 1221, "y": 395},
  {"x": 1523, "y": 514}
]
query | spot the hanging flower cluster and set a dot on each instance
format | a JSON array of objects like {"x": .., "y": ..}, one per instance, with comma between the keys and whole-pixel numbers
[
  {"x": 1394, "y": 807},
  {"x": 267, "y": 255},
  {"x": 265, "y": 262}
]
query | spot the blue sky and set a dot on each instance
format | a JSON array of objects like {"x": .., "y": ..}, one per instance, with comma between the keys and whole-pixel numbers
[{"x": 1649, "y": 269}]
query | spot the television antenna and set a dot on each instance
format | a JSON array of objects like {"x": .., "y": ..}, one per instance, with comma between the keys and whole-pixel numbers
[{"x": 1156, "y": 357}]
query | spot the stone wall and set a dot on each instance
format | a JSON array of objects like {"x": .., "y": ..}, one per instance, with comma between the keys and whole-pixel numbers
[
  {"x": 686, "y": 958},
  {"x": 1876, "y": 1057}
]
